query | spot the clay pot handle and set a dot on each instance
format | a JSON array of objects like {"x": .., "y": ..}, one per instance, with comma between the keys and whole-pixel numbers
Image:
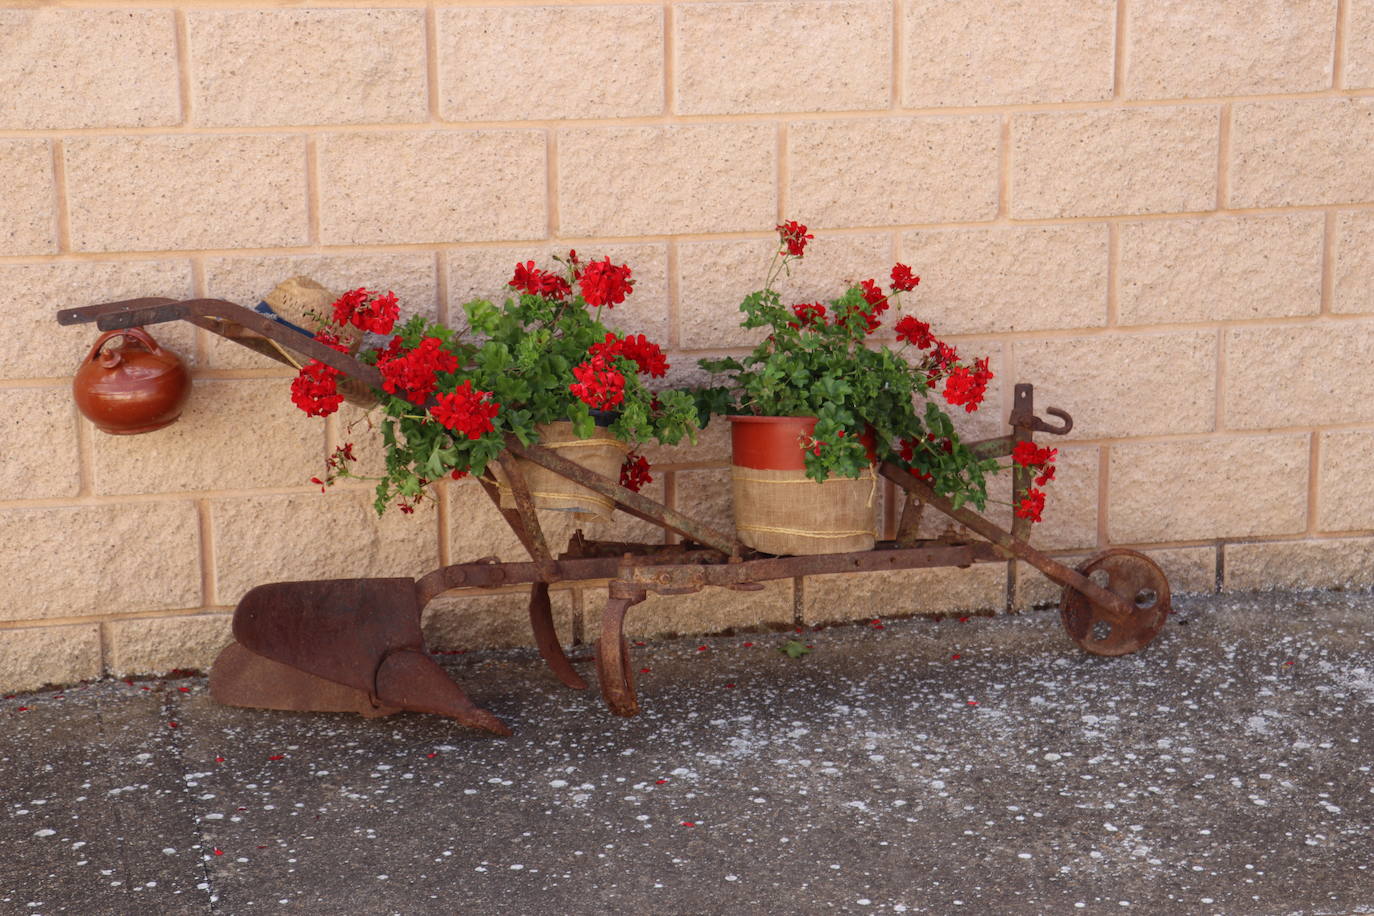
[{"x": 110, "y": 359}]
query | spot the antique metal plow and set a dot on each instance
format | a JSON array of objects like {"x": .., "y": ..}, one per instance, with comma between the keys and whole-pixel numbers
[{"x": 356, "y": 644}]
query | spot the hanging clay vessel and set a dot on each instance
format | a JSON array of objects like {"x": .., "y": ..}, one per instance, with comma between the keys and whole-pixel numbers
[{"x": 135, "y": 387}]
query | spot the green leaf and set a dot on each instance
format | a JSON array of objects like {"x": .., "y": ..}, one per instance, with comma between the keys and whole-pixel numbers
[{"x": 794, "y": 648}]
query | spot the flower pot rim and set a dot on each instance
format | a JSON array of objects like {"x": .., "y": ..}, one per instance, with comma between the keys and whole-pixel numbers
[{"x": 767, "y": 418}]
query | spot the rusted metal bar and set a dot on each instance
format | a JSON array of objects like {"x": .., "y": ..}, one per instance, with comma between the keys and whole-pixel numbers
[
  {"x": 909, "y": 527},
  {"x": 997, "y": 447},
  {"x": 511, "y": 516},
  {"x": 546, "y": 638},
  {"x": 1021, "y": 475},
  {"x": 130, "y": 313},
  {"x": 612, "y": 651},
  {"x": 1112, "y": 607},
  {"x": 524, "y": 505},
  {"x": 644, "y": 572},
  {"x": 630, "y": 501},
  {"x": 495, "y": 574}
]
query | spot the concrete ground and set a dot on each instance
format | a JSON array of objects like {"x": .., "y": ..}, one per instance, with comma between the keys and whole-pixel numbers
[{"x": 947, "y": 766}]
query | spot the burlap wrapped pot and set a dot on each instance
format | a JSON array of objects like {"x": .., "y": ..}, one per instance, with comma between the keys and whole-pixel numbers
[
  {"x": 601, "y": 453},
  {"x": 778, "y": 509}
]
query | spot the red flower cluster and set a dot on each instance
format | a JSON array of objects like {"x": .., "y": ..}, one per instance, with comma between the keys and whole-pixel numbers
[
  {"x": 602, "y": 283},
  {"x": 967, "y": 386},
  {"x": 903, "y": 280},
  {"x": 634, "y": 473},
  {"x": 915, "y": 332},
  {"x": 315, "y": 390},
  {"x": 599, "y": 384},
  {"x": 331, "y": 340},
  {"x": 877, "y": 304},
  {"x": 794, "y": 236},
  {"x": 941, "y": 359},
  {"x": 646, "y": 354},
  {"x": 465, "y": 411},
  {"x": 366, "y": 310},
  {"x": 1031, "y": 505},
  {"x": 414, "y": 374},
  {"x": 808, "y": 315},
  {"x": 1029, "y": 455},
  {"x": 536, "y": 282}
]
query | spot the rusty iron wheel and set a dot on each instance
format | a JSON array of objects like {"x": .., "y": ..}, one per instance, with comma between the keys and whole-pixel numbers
[{"x": 1136, "y": 578}]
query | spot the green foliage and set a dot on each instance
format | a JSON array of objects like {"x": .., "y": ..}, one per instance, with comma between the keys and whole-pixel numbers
[
  {"x": 794, "y": 648},
  {"x": 523, "y": 353},
  {"x": 831, "y": 369}
]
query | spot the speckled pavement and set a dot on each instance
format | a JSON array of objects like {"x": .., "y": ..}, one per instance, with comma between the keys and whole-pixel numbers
[{"x": 980, "y": 766}]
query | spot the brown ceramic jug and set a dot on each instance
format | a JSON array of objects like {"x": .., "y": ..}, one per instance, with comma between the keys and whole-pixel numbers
[{"x": 135, "y": 387}]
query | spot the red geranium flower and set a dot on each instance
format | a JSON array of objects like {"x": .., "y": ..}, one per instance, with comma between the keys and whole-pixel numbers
[
  {"x": 967, "y": 386},
  {"x": 367, "y": 311},
  {"x": 465, "y": 411},
  {"x": 808, "y": 315},
  {"x": 646, "y": 354},
  {"x": 599, "y": 384},
  {"x": 634, "y": 473},
  {"x": 1028, "y": 454},
  {"x": 603, "y": 283},
  {"x": 414, "y": 374},
  {"x": 915, "y": 332},
  {"x": 903, "y": 280},
  {"x": 1032, "y": 505},
  {"x": 794, "y": 236},
  {"x": 529, "y": 279},
  {"x": 315, "y": 390}
]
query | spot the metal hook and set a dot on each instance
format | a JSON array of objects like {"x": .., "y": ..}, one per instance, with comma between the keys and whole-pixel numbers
[{"x": 1040, "y": 425}]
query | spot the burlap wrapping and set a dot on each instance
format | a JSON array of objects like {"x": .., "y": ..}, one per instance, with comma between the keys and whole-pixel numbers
[
  {"x": 786, "y": 512},
  {"x": 307, "y": 304},
  {"x": 602, "y": 453}
]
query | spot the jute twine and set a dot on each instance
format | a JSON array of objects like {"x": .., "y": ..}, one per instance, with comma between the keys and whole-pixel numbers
[
  {"x": 786, "y": 512},
  {"x": 602, "y": 453}
]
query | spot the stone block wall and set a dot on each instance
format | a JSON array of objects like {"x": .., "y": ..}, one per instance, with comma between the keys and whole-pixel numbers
[{"x": 1160, "y": 212}]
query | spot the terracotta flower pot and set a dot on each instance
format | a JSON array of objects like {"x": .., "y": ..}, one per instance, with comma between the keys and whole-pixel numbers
[
  {"x": 135, "y": 387},
  {"x": 778, "y": 509}
]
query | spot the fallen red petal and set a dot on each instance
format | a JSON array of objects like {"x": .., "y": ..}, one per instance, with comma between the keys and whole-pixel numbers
[
  {"x": 689, "y": 823},
  {"x": 644, "y": 670},
  {"x": 219, "y": 760},
  {"x": 172, "y": 724},
  {"x": 23, "y": 709},
  {"x": 701, "y": 648},
  {"x": 277, "y": 757},
  {"x": 729, "y": 685},
  {"x": 956, "y": 656},
  {"x": 973, "y": 702},
  {"x": 661, "y": 782},
  {"x": 748, "y": 645},
  {"x": 218, "y": 851},
  {"x": 184, "y": 689}
]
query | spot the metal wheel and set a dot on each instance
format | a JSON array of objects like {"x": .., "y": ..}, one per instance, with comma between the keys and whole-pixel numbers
[{"x": 1134, "y": 577}]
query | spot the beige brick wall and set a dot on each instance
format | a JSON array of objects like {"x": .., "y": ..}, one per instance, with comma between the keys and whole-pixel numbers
[{"x": 1158, "y": 211}]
